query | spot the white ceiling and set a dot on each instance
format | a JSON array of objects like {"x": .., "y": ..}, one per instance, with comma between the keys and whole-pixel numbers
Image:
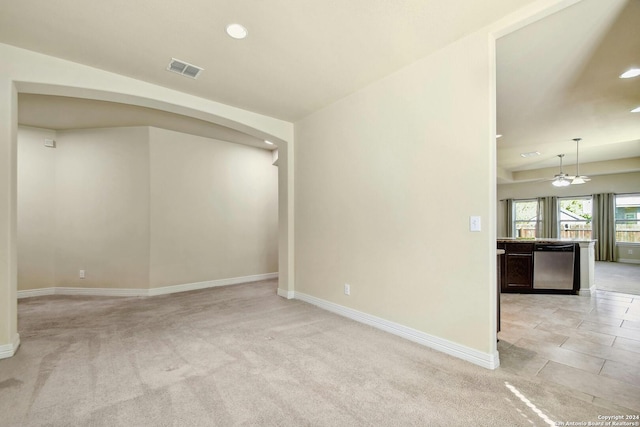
[
  {"x": 557, "y": 78},
  {"x": 300, "y": 55}
]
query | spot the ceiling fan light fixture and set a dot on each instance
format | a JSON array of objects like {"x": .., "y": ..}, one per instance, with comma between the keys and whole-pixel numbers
[
  {"x": 578, "y": 180},
  {"x": 560, "y": 181},
  {"x": 632, "y": 72}
]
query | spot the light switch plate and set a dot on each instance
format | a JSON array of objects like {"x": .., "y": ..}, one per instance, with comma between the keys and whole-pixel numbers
[{"x": 474, "y": 223}]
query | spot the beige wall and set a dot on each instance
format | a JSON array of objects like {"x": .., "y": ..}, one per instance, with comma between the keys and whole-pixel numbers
[
  {"x": 386, "y": 180},
  {"x": 615, "y": 183},
  {"x": 36, "y": 209},
  {"x": 9, "y": 337},
  {"x": 214, "y": 212},
  {"x": 628, "y": 253},
  {"x": 143, "y": 207},
  {"x": 102, "y": 208},
  {"x": 83, "y": 205}
]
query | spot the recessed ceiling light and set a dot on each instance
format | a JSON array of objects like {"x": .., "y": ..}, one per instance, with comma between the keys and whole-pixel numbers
[
  {"x": 633, "y": 72},
  {"x": 237, "y": 31},
  {"x": 530, "y": 154},
  {"x": 636, "y": 110},
  {"x": 268, "y": 142}
]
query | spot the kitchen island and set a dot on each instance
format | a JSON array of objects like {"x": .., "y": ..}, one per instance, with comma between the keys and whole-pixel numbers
[{"x": 557, "y": 266}]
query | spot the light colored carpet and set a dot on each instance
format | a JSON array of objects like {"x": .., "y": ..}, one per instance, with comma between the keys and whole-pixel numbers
[
  {"x": 617, "y": 277},
  {"x": 240, "y": 355}
]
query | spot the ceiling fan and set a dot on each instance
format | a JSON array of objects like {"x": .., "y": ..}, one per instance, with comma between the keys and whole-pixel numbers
[
  {"x": 561, "y": 179},
  {"x": 579, "y": 179}
]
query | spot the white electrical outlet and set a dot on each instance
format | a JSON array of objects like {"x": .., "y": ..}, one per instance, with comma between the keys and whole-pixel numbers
[
  {"x": 347, "y": 289},
  {"x": 82, "y": 274},
  {"x": 630, "y": 252}
]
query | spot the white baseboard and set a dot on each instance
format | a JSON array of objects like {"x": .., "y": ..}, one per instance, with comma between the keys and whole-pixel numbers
[
  {"x": 36, "y": 292},
  {"x": 8, "y": 350},
  {"x": 124, "y": 292},
  {"x": 629, "y": 261},
  {"x": 286, "y": 294},
  {"x": 211, "y": 284},
  {"x": 104, "y": 292},
  {"x": 587, "y": 292},
  {"x": 486, "y": 360},
  {"x": 68, "y": 290}
]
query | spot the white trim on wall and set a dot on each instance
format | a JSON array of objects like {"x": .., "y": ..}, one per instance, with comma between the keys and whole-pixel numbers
[
  {"x": 69, "y": 290},
  {"x": 286, "y": 294},
  {"x": 587, "y": 292},
  {"x": 8, "y": 350},
  {"x": 629, "y": 260},
  {"x": 210, "y": 284},
  {"x": 40, "y": 292},
  {"x": 122, "y": 292},
  {"x": 486, "y": 360}
]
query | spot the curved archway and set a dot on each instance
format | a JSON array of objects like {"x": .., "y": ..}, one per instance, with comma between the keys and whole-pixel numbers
[
  {"x": 250, "y": 127},
  {"x": 35, "y": 73}
]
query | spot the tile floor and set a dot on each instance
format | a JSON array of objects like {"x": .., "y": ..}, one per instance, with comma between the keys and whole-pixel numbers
[
  {"x": 618, "y": 277},
  {"x": 590, "y": 346}
]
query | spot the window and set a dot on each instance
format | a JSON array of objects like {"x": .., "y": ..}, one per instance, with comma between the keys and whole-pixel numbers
[
  {"x": 628, "y": 218},
  {"x": 574, "y": 217},
  {"x": 525, "y": 218}
]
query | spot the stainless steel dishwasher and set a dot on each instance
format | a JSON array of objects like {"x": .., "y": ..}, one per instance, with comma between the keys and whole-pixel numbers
[{"x": 553, "y": 266}]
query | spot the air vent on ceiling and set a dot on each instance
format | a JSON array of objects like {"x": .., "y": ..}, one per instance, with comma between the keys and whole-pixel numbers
[{"x": 184, "y": 68}]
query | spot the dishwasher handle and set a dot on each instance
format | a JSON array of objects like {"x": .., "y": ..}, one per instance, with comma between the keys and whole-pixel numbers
[{"x": 554, "y": 248}]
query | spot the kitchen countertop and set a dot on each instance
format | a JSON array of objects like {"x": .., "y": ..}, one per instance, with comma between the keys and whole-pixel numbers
[{"x": 542, "y": 240}]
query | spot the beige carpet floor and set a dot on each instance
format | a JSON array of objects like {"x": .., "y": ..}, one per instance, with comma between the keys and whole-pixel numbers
[{"x": 240, "y": 356}]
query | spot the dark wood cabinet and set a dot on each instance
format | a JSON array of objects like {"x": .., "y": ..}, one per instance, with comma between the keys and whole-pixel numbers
[{"x": 518, "y": 267}]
